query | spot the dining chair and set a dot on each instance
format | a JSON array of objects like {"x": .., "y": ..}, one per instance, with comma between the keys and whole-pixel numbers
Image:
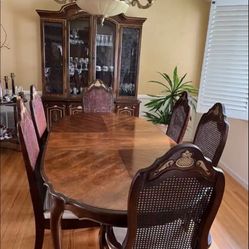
[
  {"x": 211, "y": 133},
  {"x": 41, "y": 202},
  {"x": 179, "y": 119},
  {"x": 171, "y": 204},
  {"x": 98, "y": 98},
  {"x": 38, "y": 115}
]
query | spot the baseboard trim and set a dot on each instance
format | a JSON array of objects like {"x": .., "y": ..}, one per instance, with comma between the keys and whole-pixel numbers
[{"x": 234, "y": 175}]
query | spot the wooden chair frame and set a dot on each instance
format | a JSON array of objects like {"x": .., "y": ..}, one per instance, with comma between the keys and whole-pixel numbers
[
  {"x": 216, "y": 114},
  {"x": 38, "y": 191},
  {"x": 98, "y": 85},
  {"x": 167, "y": 166},
  {"x": 182, "y": 101},
  {"x": 33, "y": 97}
]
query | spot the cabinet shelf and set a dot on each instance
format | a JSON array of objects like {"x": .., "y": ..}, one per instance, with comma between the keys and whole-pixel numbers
[{"x": 77, "y": 49}]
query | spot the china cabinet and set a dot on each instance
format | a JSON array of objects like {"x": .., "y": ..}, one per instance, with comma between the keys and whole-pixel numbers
[{"x": 77, "y": 49}]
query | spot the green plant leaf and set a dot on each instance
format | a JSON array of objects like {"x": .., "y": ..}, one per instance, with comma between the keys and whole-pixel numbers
[
  {"x": 160, "y": 106},
  {"x": 159, "y": 83},
  {"x": 167, "y": 78},
  {"x": 175, "y": 79},
  {"x": 183, "y": 77}
]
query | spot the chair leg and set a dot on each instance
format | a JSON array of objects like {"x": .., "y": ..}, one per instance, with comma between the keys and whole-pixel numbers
[
  {"x": 39, "y": 236},
  {"x": 102, "y": 241}
]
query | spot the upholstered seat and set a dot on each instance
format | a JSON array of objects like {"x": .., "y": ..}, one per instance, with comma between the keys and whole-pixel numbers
[
  {"x": 211, "y": 133},
  {"x": 98, "y": 98},
  {"x": 171, "y": 205},
  {"x": 179, "y": 119},
  {"x": 68, "y": 215},
  {"x": 32, "y": 154}
]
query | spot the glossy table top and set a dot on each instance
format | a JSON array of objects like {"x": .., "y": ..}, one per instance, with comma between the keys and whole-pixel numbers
[{"x": 92, "y": 158}]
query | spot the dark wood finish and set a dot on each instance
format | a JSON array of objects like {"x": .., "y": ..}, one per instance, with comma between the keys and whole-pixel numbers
[
  {"x": 32, "y": 155},
  {"x": 179, "y": 119},
  {"x": 54, "y": 112},
  {"x": 173, "y": 203},
  {"x": 91, "y": 158},
  {"x": 211, "y": 133},
  {"x": 127, "y": 108},
  {"x": 75, "y": 109},
  {"x": 65, "y": 15}
]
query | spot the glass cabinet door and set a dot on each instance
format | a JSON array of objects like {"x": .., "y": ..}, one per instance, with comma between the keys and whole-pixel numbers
[
  {"x": 53, "y": 57},
  {"x": 79, "y": 35},
  {"x": 129, "y": 61},
  {"x": 105, "y": 52}
]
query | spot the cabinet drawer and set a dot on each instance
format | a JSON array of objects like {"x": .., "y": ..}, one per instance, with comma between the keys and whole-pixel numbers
[
  {"x": 54, "y": 113},
  {"x": 75, "y": 109},
  {"x": 127, "y": 109}
]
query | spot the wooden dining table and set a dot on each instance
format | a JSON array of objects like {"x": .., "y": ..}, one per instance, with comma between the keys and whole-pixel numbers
[{"x": 89, "y": 162}]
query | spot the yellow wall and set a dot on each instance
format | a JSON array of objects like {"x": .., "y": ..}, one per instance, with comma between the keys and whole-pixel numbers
[{"x": 174, "y": 34}]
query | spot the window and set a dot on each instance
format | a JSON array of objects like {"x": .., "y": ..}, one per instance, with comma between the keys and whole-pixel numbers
[{"x": 225, "y": 67}]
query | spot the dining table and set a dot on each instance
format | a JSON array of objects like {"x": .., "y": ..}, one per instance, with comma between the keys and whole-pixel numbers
[{"x": 89, "y": 161}]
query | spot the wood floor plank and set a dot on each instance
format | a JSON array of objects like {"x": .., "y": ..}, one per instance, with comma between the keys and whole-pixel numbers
[{"x": 229, "y": 231}]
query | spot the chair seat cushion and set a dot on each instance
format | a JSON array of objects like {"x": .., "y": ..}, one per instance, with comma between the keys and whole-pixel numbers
[
  {"x": 66, "y": 215},
  {"x": 120, "y": 233}
]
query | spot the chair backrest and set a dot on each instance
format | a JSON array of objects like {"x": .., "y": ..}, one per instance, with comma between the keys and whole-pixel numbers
[
  {"x": 32, "y": 158},
  {"x": 211, "y": 133},
  {"x": 98, "y": 98},
  {"x": 37, "y": 114},
  {"x": 173, "y": 203},
  {"x": 179, "y": 119}
]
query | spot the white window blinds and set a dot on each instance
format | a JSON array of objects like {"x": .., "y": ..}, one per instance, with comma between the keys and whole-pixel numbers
[{"x": 225, "y": 67}]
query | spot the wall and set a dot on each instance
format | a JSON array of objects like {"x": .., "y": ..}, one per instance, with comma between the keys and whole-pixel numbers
[{"x": 173, "y": 34}]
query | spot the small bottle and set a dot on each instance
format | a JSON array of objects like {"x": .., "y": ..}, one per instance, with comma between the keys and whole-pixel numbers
[
  {"x": 1, "y": 91},
  {"x": 12, "y": 75},
  {"x": 6, "y": 79}
]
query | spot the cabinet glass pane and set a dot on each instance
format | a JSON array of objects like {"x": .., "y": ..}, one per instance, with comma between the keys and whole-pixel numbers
[
  {"x": 129, "y": 62},
  {"x": 79, "y": 55},
  {"x": 53, "y": 38},
  {"x": 105, "y": 52}
]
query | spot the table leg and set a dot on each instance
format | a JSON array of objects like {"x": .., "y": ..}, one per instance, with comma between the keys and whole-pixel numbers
[{"x": 55, "y": 221}]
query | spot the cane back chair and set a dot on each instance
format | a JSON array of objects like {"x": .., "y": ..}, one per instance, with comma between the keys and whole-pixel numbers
[
  {"x": 38, "y": 116},
  {"x": 211, "y": 133},
  {"x": 179, "y": 119},
  {"x": 98, "y": 98},
  {"x": 172, "y": 203},
  {"x": 32, "y": 154}
]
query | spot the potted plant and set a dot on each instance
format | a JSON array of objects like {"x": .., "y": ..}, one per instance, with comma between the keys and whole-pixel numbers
[{"x": 160, "y": 106}]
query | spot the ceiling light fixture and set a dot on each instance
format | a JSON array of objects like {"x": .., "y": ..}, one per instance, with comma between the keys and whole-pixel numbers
[{"x": 106, "y": 8}]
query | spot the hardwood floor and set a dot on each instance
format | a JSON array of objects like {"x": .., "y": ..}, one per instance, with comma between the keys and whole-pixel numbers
[{"x": 229, "y": 231}]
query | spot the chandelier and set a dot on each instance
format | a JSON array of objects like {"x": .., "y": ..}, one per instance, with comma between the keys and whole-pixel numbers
[{"x": 106, "y": 8}]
